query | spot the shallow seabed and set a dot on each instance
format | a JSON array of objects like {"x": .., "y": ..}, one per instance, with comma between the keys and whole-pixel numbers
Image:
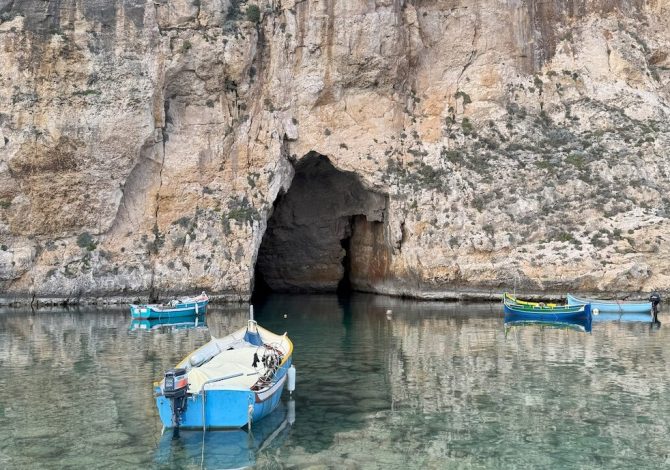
[{"x": 434, "y": 385}]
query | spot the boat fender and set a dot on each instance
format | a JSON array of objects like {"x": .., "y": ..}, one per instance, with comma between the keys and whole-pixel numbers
[
  {"x": 595, "y": 311},
  {"x": 291, "y": 379}
]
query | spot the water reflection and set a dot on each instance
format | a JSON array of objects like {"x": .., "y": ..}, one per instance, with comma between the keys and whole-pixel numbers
[
  {"x": 199, "y": 321},
  {"x": 623, "y": 317},
  {"x": 432, "y": 385},
  {"x": 229, "y": 449},
  {"x": 583, "y": 325}
]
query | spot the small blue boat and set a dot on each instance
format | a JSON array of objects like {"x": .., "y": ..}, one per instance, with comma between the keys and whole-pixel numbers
[
  {"x": 229, "y": 382},
  {"x": 550, "y": 314},
  {"x": 611, "y": 306},
  {"x": 178, "y": 308}
]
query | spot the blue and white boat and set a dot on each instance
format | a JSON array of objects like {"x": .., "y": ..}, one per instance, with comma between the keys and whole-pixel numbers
[
  {"x": 611, "y": 306},
  {"x": 177, "y": 308},
  {"x": 229, "y": 382}
]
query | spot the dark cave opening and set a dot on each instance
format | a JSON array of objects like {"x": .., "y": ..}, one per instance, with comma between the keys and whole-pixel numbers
[
  {"x": 311, "y": 243},
  {"x": 344, "y": 286}
]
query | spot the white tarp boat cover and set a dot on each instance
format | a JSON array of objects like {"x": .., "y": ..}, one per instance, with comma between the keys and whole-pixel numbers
[{"x": 232, "y": 356}]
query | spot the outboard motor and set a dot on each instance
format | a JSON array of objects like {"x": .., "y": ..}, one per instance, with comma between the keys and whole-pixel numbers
[
  {"x": 175, "y": 387},
  {"x": 655, "y": 299}
]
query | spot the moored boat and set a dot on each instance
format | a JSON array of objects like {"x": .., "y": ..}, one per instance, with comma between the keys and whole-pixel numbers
[
  {"x": 544, "y": 313},
  {"x": 611, "y": 306},
  {"x": 177, "y": 308},
  {"x": 227, "y": 383}
]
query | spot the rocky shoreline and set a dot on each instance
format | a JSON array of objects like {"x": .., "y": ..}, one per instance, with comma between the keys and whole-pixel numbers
[{"x": 493, "y": 296}]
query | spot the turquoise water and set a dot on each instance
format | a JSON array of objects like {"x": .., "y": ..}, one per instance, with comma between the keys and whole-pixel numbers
[{"x": 434, "y": 385}]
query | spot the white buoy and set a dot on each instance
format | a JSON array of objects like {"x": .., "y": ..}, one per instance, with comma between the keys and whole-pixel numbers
[
  {"x": 285, "y": 316},
  {"x": 291, "y": 379},
  {"x": 291, "y": 412},
  {"x": 596, "y": 311}
]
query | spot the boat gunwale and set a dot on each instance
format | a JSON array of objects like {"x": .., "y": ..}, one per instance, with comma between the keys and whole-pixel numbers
[{"x": 523, "y": 310}]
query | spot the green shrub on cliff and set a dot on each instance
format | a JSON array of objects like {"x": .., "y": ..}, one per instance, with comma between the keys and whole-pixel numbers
[
  {"x": 85, "y": 240},
  {"x": 253, "y": 14}
]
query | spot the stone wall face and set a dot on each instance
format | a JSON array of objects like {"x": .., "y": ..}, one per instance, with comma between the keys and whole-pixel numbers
[{"x": 143, "y": 143}]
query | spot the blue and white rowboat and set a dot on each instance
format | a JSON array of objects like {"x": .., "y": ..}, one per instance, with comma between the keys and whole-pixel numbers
[
  {"x": 227, "y": 383},
  {"x": 611, "y": 306},
  {"x": 178, "y": 308}
]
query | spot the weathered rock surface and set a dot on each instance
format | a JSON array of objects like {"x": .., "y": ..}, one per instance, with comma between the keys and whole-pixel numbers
[{"x": 143, "y": 144}]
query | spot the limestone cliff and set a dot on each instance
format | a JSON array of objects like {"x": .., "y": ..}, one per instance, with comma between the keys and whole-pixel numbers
[{"x": 458, "y": 146}]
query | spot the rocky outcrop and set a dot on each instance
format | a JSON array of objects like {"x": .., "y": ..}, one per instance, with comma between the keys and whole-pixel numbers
[{"x": 143, "y": 144}]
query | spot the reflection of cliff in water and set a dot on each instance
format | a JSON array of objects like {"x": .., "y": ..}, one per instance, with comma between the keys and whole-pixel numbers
[
  {"x": 339, "y": 355},
  {"x": 454, "y": 362},
  {"x": 431, "y": 384},
  {"x": 83, "y": 376}
]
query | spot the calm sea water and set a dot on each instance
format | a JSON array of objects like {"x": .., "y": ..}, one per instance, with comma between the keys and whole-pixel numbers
[{"x": 436, "y": 385}]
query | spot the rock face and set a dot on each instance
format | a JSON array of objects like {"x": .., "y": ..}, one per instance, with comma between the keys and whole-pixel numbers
[{"x": 144, "y": 146}]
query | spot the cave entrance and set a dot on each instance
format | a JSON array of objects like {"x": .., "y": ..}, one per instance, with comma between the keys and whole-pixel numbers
[{"x": 324, "y": 233}]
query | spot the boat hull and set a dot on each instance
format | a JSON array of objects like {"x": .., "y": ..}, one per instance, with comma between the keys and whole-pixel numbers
[
  {"x": 157, "y": 312},
  {"x": 513, "y": 312},
  {"x": 225, "y": 408},
  {"x": 605, "y": 306}
]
